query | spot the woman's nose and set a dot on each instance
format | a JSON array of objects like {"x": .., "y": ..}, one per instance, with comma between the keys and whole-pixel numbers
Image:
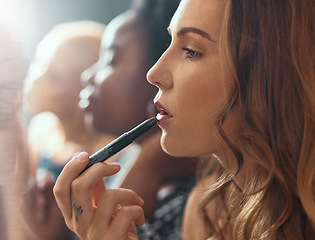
[{"x": 160, "y": 74}]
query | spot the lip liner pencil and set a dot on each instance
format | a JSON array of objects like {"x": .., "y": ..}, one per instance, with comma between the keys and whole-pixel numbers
[{"x": 121, "y": 142}]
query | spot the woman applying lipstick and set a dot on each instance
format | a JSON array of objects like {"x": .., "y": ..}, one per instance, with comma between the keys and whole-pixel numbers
[{"x": 237, "y": 86}]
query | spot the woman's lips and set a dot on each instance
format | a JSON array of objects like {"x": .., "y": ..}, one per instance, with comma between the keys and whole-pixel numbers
[
  {"x": 163, "y": 114},
  {"x": 87, "y": 104},
  {"x": 161, "y": 118},
  {"x": 86, "y": 100},
  {"x": 84, "y": 103}
]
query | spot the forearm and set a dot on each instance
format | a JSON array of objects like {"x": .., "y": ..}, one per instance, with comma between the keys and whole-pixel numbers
[
  {"x": 12, "y": 159},
  {"x": 12, "y": 151},
  {"x": 11, "y": 189},
  {"x": 8, "y": 155}
]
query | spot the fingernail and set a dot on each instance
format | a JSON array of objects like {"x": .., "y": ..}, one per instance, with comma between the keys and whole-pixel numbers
[
  {"x": 81, "y": 156},
  {"x": 141, "y": 201},
  {"x": 114, "y": 165}
]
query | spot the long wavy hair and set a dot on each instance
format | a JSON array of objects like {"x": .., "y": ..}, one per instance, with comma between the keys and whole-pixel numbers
[{"x": 270, "y": 47}]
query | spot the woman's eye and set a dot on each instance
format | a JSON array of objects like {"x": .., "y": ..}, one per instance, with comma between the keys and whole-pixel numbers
[{"x": 191, "y": 54}]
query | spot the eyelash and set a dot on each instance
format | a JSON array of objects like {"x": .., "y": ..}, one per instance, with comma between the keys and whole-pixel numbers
[{"x": 191, "y": 54}]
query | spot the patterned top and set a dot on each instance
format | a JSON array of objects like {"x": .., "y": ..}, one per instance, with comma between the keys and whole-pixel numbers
[
  {"x": 47, "y": 166},
  {"x": 167, "y": 219}
]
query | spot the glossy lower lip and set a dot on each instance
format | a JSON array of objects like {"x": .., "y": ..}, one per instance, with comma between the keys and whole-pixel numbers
[
  {"x": 87, "y": 101},
  {"x": 163, "y": 115},
  {"x": 86, "y": 104}
]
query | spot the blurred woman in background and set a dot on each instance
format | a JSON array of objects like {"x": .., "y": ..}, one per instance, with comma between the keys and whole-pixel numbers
[{"x": 57, "y": 127}]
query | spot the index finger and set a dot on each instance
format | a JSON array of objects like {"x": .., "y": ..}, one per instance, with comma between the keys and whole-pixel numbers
[{"x": 62, "y": 190}]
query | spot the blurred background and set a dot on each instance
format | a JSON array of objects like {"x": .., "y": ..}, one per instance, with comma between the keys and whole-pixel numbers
[
  {"x": 43, "y": 127},
  {"x": 29, "y": 20}
]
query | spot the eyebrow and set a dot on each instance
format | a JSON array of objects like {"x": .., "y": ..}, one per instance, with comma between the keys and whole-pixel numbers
[{"x": 185, "y": 30}]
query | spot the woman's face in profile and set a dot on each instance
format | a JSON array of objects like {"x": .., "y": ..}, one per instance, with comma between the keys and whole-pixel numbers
[
  {"x": 193, "y": 82},
  {"x": 116, "y": 92}
]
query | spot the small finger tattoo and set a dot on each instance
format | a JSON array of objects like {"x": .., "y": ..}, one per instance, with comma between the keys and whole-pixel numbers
[{"x": 77, "y": 211}]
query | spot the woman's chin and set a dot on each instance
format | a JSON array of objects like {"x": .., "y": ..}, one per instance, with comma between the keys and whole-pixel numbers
[
  {"x": 173, "y": 149},
  {"x": 176, "y": 148},
  {"x": 90, "y": 123}
]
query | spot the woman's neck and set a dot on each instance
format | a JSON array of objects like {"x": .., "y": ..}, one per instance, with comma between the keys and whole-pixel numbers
[{"x": 74, "y": 130}]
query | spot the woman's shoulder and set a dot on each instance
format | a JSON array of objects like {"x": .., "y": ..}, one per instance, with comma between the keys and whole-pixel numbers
[
  {"x": 43, "y": 130},
  {"x": 42, "y": 125}
]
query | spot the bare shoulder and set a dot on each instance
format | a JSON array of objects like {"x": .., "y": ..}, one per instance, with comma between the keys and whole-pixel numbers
[
  {"x": 193, "y": 225},
  {"x": 41, "y": 126},
  {"x": 43, "y": 130}
]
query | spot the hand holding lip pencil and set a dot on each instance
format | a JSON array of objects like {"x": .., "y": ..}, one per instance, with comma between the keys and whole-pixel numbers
[{"x": 121, "y": 142}]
